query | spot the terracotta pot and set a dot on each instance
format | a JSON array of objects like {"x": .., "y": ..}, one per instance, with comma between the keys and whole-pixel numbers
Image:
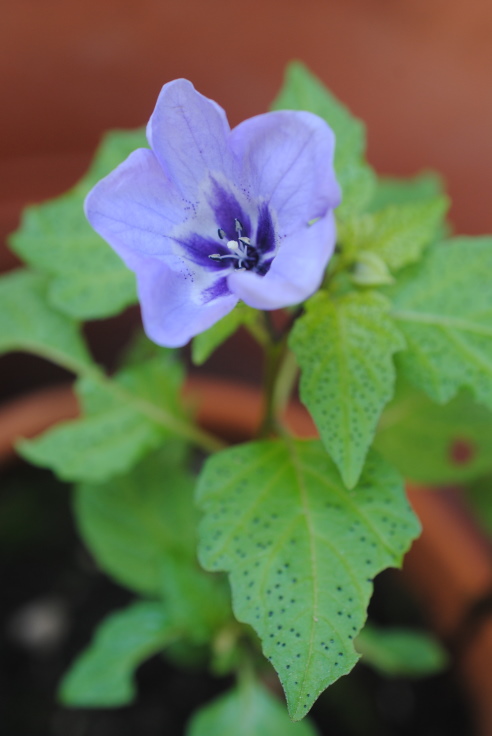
[{"x": 449, "y": 567}]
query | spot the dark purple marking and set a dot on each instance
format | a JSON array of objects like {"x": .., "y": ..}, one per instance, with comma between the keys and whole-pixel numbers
[
  {"x": 198, "y": 249},
  {"x": 264, "y": 267},
  {"x": 265, "y": 235},
  {"x": 218, "y": 289},
  {"x": 226, "y": 209}
]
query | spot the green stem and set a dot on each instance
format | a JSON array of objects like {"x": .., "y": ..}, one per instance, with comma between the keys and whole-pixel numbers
[
  {"x": 273, "y": 333},
  {"x": 273, "y": 359},
  {"x": 286, "y": 380},
  {"x": 245, "y": 673},
  {"x": 280, "y": 375}
]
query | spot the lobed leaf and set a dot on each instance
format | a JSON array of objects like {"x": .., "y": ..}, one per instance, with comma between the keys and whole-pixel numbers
[
  {"x": 29, "y": 323},
  {"x": 444, "y": 310},
  {"x": 436, "y": 443},
  {"x": 123, "y": 420},
  {"x": 394, "y": 191},
  {"x": 301, "y": 551},
  {"x": 102, "y": 676},
  {"x": 303, "y": 91},
  {"x": 247, "y": 710},
  {"x": 397, "y": 234},
  {"x": 87, "y": 280},
  {"x": 345, "y": 351}
]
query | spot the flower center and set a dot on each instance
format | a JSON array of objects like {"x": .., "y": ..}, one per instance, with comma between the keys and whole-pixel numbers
[{"x": 242, "y": 255}]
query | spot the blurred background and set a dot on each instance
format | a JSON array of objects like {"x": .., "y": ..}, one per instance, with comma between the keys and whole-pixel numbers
[{"x": 416, "y": 71}]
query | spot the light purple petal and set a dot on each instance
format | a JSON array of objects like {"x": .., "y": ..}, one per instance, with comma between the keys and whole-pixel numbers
[
  {"x": 135, "y": 207},
  {"x": 296, "y": 271},
  {"x": 189, "y": 134},
  {"x": 173, "y": 309},
  {"x": 288, "y": 160}
]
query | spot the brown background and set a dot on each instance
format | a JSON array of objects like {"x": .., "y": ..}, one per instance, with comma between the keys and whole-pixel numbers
[{"x": 417, "y": 71}]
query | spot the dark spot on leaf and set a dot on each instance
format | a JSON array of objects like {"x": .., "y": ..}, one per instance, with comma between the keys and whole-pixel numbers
[{"x": 461, "y": 452}]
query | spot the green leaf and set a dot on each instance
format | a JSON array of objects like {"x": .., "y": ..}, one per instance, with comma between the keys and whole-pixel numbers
[
  {"x": 102, "y": 676},
  {"x": 345, "y": 351},
  {"x": 87, "y": 279},
  {"x": 29, "y": 323},
  {"x": 123, "y": 419},
  {"x": 444, "y": 310},
  {"x": 398, "y": 234},
  {"x": 301, "y": 551},
  {"x": 435, "y": 443},
  {"x": 303, "y": 91},
  {"x": 401, "y": 652},
  {"x": 198, "y": 602},
  {"x": 392, "y": 191},
  {"x": 206, "y": 342},
  {"x": 134, "y": 523},
  {"x": 247, "y": 710},
  {"x": 141, "y": 528}
]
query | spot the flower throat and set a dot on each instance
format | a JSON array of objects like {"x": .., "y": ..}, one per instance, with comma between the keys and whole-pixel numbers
[{"x": 243, "y": 256}]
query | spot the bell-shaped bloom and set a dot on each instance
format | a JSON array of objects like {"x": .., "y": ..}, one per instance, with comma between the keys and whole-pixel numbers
[{"x": 210, "y": 215}]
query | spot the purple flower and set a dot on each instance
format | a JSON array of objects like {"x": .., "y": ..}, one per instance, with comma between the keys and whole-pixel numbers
[{"x": 211, "y": 215}]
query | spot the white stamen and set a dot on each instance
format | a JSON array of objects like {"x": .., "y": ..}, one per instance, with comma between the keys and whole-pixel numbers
[{"x": 233, "y": 245}]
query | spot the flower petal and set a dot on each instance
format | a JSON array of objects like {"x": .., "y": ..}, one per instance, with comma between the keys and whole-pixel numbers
[
  {"x": 135, "y": 207},
  {"x": 296, "y": 271},
  {"x": 288, "y": 161},
  {"x": 189, "y": 134},
  {"x": 173, "y": 309}
]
